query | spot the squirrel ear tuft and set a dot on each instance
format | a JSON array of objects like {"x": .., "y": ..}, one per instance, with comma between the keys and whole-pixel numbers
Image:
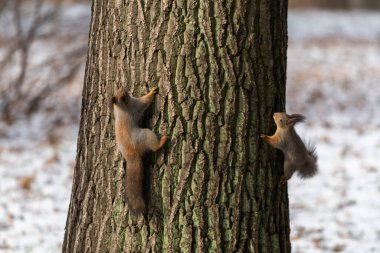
[
  {"x": 290, "y": 122},
  {"x": 295, "y": 118}
]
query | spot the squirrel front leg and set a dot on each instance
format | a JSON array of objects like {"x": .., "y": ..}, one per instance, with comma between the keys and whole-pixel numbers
[
  {"x": 271, "y": 140},
  {"x": 146, "y": 100}
]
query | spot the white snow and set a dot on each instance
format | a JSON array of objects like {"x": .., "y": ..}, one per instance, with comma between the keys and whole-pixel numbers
[
  {"x": 340, "y": 206},
  {"x": 37, "y": 153},
  {"x": 333, "y": 78},
  {"x": 32, "y": 220},
  {"x": 333, "y": 74}
]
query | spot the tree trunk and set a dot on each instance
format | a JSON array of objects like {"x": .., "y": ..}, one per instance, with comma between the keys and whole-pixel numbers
[{"x": 221, "y": 69}]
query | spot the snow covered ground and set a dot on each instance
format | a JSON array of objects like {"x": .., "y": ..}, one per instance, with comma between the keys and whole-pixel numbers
[
  {"x": 37, "y": 153},
  {"x": 36, "y": 178},
  {"x": 333, "y": 73},
  {"x": 333, "y": 78}
]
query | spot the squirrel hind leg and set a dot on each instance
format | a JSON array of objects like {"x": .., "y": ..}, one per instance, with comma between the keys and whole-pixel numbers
[
  {"x": 151, "y": 140},
  {"x": 289, "y": 170},
  {"x": 283, "y": 179}
]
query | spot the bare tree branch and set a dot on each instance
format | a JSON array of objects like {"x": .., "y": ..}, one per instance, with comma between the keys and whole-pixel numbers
[{"x": 31, "y": 22}]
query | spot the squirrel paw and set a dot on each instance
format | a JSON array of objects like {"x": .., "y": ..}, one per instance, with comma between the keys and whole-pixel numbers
[
  {"x": 163, "y": 140},
  {"x": 264, "y": 137},
  {"x": 154, "y": 90},
  {"x": 283, "y": 180}
]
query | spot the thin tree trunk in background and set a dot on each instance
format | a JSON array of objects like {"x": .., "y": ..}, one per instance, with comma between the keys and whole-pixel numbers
[{"x": 221, "y": 68}]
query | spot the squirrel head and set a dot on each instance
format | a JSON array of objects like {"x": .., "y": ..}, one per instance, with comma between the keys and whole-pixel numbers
[
  {"x": 284, "y": 120},
  {"x": 121, "y": 98},
  {"x": 280, "y": 118}
]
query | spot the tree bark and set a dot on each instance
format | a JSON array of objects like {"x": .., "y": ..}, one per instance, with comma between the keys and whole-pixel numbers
[{"x": 221, "y": 70}]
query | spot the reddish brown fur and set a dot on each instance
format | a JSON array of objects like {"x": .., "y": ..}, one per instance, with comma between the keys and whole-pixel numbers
[
  {"x": 133, "y": 142},
  {"x": 298, "y": 157}
]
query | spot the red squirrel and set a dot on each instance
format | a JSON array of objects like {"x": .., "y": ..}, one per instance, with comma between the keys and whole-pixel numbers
[
  {"x": 298, "y": 157},
  {"x": 133, "y": 141}
]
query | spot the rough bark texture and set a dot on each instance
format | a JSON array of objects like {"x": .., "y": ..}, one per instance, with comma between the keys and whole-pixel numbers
[{"x": 221, "y": 69}]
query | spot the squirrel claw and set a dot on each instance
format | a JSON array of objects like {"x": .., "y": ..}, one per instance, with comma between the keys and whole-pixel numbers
[
  {"x": 163, "y": 139},
  {"x": 283, "y": 180},
  {"x": 154, "y": 90}
]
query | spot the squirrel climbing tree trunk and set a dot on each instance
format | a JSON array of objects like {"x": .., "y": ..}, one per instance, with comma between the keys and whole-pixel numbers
[{"x": 221, "y": 69}]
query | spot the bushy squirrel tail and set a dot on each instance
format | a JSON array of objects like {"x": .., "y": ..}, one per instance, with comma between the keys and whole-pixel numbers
[
  {"x": 310, "y": 167},
  {"x": 134, "y": 185}
]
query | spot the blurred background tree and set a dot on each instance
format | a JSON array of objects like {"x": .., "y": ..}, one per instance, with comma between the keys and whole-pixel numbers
[
  {"x": 335, "y": 4},
  {"x": 42, "y": 56}
]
